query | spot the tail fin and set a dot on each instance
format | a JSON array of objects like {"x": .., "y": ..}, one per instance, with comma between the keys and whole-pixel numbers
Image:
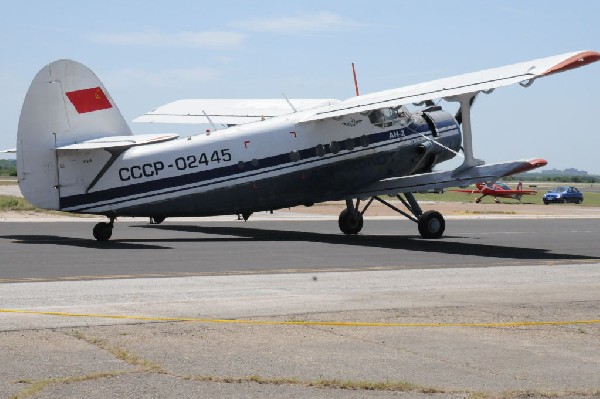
[{"x": 65, "y": 104}]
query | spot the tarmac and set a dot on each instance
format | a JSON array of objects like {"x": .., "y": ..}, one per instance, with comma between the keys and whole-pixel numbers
[
  {"x": 489, "y": 332},
  {"x": 531, "y": 329}
]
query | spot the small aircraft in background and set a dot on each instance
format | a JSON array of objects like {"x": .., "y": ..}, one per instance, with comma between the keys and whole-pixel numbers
[
  {"x": 497, "y": 190},
  {"x": 76, "y": 153}
]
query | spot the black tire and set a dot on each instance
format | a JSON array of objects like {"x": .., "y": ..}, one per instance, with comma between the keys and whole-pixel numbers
[
  {"x": 432, "y": 224},
  {"x": 102, "y": 231},
  {"x": 579, "y": 200},
  {"x": 545, "y": 202},
  {"x": 350, "y": 222}
]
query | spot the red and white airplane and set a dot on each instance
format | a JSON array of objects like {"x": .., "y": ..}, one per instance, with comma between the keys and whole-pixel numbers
[
  {"x": 76, "y": 153},
  {"x": 497, "y": 190}
]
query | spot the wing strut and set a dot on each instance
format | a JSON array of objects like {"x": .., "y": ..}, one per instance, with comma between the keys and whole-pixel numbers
[
  {"x": 210, "y": 120},
  {"x": 465, "y": 101}
]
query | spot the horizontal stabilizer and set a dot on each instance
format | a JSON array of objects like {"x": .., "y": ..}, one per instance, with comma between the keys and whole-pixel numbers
[
  {"x": 228, "y": 111},
  {"x": 430, "y": 181},
  {"x": 119, "y": 142}
]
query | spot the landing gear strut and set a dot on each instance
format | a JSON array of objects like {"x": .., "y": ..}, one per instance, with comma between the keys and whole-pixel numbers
[
  {"x": 103, "y": 231},
  {"x": 431, "y": 224}
]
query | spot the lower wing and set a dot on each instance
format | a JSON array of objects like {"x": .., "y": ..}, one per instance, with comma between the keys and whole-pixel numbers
[{"x": 433, "y": 180}]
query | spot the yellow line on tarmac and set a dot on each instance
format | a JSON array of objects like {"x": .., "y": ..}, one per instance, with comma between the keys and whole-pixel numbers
[{"x": 301, "y": 323}]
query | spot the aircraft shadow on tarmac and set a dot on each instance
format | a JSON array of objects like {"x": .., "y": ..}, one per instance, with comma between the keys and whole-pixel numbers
[
  {"x": 78, "y": 242},
  {"x": 448, "y": 245},
  {"x": 399, "y": 242}
]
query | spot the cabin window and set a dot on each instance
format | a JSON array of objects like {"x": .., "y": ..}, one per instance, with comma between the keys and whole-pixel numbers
[
  {"x": 295, "y": 156},
  {"x": 254, "y": 162},
  {"x": 241, "y": 165},
  {"x": 334, "y": 147},
  {"x": 320, "y": 149},
  {"x": 349, "y": 144},
  {"x": 381, "y": 117},
  {"x": 364, "y": 141}
]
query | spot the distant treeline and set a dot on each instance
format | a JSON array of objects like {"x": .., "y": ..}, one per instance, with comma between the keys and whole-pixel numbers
[
  {"x": 561, "y": 179},
  {"x": 8, "y": 167}
]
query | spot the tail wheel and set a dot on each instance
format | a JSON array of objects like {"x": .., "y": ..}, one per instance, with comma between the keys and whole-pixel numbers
[
  {"x": 102, "y": 231},
  {"x": 157, "y": 219},
  {"x": 431, "y": 224},
  {"x": 350, "y": 221}
]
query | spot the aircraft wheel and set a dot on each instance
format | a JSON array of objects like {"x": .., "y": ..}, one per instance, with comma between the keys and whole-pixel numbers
[
  {"x": 431, "y": 224},
  {"x": 350, "y": 222},
  {"x": 157, "y": 219},
  {"x": 102, "y": 231}
]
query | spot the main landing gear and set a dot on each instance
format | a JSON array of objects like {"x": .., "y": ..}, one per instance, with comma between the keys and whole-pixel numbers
[
  {"x": 431, "y": 224},
  {"x": 103, "y": 231}
]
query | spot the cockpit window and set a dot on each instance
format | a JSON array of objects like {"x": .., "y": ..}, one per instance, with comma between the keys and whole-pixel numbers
[{"x": 385, "y": 117}]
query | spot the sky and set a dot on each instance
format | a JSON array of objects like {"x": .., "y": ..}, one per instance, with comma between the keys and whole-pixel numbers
[{"x": 151, "y": 52}]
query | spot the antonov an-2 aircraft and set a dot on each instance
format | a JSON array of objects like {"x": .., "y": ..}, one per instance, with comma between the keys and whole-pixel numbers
[{"x": 76, "y": 153}]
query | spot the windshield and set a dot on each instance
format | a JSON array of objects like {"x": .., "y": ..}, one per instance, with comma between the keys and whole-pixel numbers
[
  {"x": 560, "y": 189},
  {"x": 385, "y": 117}
]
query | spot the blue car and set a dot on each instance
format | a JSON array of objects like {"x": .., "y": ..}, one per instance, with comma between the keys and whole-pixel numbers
[{"x": 563, "y": 194}]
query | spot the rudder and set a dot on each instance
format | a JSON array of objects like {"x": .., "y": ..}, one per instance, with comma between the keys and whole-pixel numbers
[{"x": 65, "y": 104}]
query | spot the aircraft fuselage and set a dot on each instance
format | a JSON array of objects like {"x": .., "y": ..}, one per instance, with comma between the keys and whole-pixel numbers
[{"x": 259, "y": 166}]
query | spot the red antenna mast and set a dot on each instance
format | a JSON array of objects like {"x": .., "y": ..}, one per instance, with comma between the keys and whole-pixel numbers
[{"x": 355, "y": 81}]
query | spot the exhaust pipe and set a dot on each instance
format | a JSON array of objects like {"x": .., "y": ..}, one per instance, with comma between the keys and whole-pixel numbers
[{"x": 423, "y": 148}]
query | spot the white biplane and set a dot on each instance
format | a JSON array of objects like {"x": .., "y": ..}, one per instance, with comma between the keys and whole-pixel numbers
[{"x": 76, "y": 153}]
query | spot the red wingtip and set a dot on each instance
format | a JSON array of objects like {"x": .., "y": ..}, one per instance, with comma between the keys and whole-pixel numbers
[
  {"x": 576, "y": 61},
  {"x": 529, "y": 165},
  {"x": 538, "y": 163}
]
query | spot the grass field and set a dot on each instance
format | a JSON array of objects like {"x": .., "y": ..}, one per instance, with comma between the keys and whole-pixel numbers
[
  {"x": 10, "y": 203},
  {"x": 589, "y": 199}
]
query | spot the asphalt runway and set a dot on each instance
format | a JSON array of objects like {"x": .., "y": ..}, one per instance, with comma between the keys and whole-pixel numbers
[
  {"x": 499, "y": 308},
  {"x": 59, "y": 250}
]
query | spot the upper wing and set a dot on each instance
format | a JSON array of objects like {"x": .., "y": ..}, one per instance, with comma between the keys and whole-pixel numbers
[
  {"x": 229, "y": 112},
  {"x": 524, "y": 73},
  {"x": 430, "y": 181},
  {"x": 238, "y": 111}
]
